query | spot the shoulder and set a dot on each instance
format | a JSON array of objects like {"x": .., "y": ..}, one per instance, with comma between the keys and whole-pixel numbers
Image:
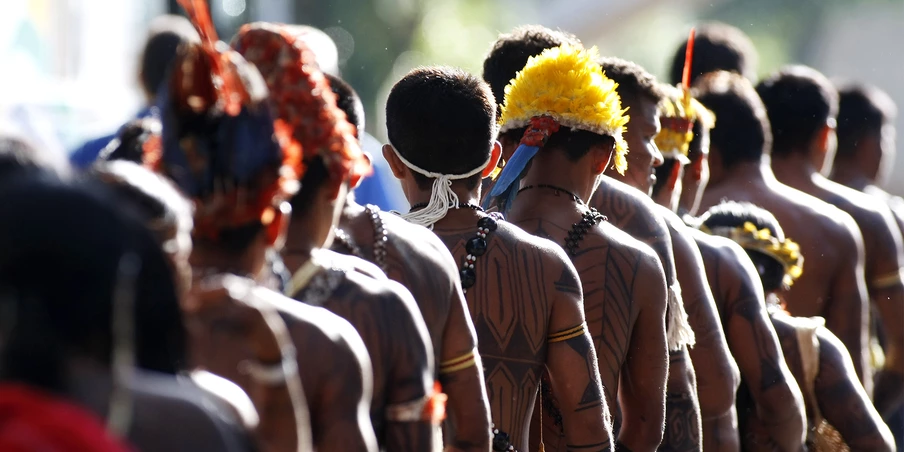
[
  {"x": 539, "y": 247},
  {"x": 822, "y": 216},
  {"x": 628, "y": 207},
  {"x": 419, "y": 243}
]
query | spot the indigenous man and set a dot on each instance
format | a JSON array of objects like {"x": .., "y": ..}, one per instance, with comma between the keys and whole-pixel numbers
[
  {"x": 406, "y": 408},
  {"x": 839, "y": 413},
  {"x": 716, "y": 46},
  {"x": 218, "y": 146},
  {"x": 739, "y": 150},
  {"x": 866, "y": 142},
  {"x": 626, "y": 209},
  {"x": 717, "y": 373},
  {"x": 523, "y": 292},
  {"x": 735, "y": 286},
  {"x": 415, "y": 257},
  {"x": 569, "y": 121},
  {"x": 802, "y": 104}
]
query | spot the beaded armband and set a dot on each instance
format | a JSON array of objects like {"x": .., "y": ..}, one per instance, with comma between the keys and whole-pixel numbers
[{"x": 887, "y": 280}]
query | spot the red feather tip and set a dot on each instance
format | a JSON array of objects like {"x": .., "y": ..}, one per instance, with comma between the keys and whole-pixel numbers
[{"x": 688, "y": 58}]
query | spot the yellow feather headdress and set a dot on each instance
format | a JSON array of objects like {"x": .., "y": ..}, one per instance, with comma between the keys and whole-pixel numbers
[{"x": 567, "y": 84}]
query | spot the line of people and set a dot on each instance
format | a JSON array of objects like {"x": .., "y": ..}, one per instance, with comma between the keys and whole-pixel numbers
[{"x": 593, "y": 260}]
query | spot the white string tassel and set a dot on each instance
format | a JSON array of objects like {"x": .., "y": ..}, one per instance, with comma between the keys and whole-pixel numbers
[
  {"x": 442, "y": 198},
  {"x": 678, "y": 330}
]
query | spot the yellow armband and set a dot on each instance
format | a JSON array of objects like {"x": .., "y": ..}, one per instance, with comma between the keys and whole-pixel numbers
[{"x": 570, "y": 333}]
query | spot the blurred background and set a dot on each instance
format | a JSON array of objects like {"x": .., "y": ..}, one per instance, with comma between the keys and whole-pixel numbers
[{"x": 69, "y": 67}]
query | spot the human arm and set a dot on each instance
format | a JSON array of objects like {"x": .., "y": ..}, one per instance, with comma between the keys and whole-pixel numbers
[
  {"x": 467, "y": 409},
  {"x": 410, "y": 424},
  {"x": 886, "y": 290},
  {"x": 754, "y": 344},
  {"x": 847, "y": 308},
  {"x": 682, "y": 409},
  {"x": 573, "y": 368},
  {"x": 643, "y": 378},
  {"x": 843, "y": 401},
  {"x": 717, "y": 373}
]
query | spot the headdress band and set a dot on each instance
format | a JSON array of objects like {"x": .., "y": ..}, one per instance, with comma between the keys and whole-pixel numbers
[
  {"x": 786, "y": 252},
  {"x": 442, "y": 196}
]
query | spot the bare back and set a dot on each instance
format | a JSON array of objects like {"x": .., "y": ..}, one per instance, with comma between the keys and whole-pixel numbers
[
  {"x": 414, "y": 257},
  {"x": 833, "y": 284},
  {"x": 526, "y": 292},
  {"x": 334, "y": 367},
  {"x": 624, "y": 301},
  {"x": 739, "y": 297},
  {"x": 386, "y": 317}
]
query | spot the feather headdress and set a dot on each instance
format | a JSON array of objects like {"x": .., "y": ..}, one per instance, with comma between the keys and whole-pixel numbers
[
  {"x": 562, "y": 87},
  {"x": 218, "y": 140},
  {"x": 304, "y": 104}
]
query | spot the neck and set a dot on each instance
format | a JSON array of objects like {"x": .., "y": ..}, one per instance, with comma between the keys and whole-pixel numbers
[
  {"x": 552, "y": 167},
  {"x": 299, "y": 245},
  {"x": 213, "y": 258},
  {"x": 745, "y": 173},
  {"x": 794, "y": 168},
  {"x": 849, "y": 174},
  {"x": 418, "y": 198}
]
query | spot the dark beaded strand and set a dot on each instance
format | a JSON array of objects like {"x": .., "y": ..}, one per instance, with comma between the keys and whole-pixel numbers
[
  {"x": 589, "y": 219},
  {"x": 381, "y": 237},
  {"x": 475, "y": 248}
]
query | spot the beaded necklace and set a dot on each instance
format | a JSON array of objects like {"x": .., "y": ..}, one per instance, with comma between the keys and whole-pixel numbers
[
  {"x": 590, "y": 218},
  {"x": 476, "y": 246},
  {"x": 381, "y": 237}
]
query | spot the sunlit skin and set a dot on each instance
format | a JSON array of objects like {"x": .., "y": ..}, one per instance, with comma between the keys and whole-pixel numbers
[
  {"x": 716, "y": 371},
  {"x": 882, "y": 243}
]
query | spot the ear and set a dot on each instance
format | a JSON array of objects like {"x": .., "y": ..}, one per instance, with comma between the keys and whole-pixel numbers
[
  {"x": 495, "y": 155},
  {"x": 508, "y": 147},
  {"x": 279, "y": 225},
  {"x": 395, "y": 163},
  {"x": 696, "y": 169},
  {"x": 601, "y": 156},
  {"x": 823, "y": 138}
]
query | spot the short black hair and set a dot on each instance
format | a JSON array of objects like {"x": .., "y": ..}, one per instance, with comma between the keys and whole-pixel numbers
[
  {"x": 634, "y": 82},
  {"x": 717, "y": 47},
  {"x": 663, "y": 172},
  {"x": 730, "y": 214},
  {"x": 21, "y": 158},
  {"x": 165, "y": 36},
  {"x": 700, "y": 129},
  {"x": 63, "y": 249},
  {"x": 129, "y": 142},
  {"x": 511, "y": 51},
  {"x": 862, "y": 110},
  {"x": 442, "y": 120},
  {"x": 742, "y": 132},
  {"x": 349, "y": 102},
  {"x": 799, "y": 100}
]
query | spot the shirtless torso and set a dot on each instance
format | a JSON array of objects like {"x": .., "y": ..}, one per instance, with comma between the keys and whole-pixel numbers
[
  {"x": 414, "y": 257},
  {"x": 739, "y": 297},
  {"x": 393, "y": 331},
  {"x": 526, "y": 306},
  {"x": 832, "y": 387},
  {"x": 624, "y": 301},
  {"x": 717, "y": 373},
  {"x": 334, "y": 366},
  {"x": 833, "y": 285},
  {"x": 884, "y": 259},
  {"x": 632, "y": 212}
]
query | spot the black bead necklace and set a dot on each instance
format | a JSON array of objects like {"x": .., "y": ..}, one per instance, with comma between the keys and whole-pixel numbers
[{"x": 590, "y": 218}]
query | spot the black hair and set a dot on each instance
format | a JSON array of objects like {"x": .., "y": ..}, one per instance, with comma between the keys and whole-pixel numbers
[
  {"x": 315, "y": 175},
  {"x": 349, "y": 102},
  {"x": 663, "y": 172},
  {"x": 20, "y": 158},
  {"x": 742, "y": 132},
  {"x": 166, "y": 35},
  {"x": 634, "y": 82},
  {"x": 442, "y": 120},
  {"x": 129, "y": 142},
  {"x": 732, "y": 214},
  {"x": 576, "y": 143},
  {"x": 700, "y": 129},
  {"x": 862, "y": 111},
  {"x": 63, "y": 247},
  {"x": 799, "y": 100},
  {"x": 511, "y": 51},
  {"x": 717, "y": 47}
]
